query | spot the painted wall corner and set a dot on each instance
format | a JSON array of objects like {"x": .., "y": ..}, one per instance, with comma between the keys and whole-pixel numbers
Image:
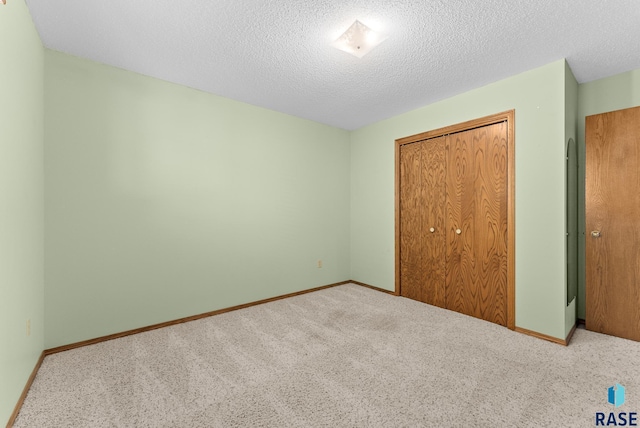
[{"x": 21, "y": 202}]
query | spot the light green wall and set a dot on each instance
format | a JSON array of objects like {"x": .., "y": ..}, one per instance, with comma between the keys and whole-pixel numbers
[
  {"x": 538, "y": 99},
  {"x": 21, "y": 202},
  {"x": 164, "y": 202},
  {"x": 570, "y": 132},
  {"x": 600, "y": 96}
]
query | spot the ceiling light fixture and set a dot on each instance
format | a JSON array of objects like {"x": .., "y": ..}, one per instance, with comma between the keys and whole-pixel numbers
[{"x": 358, "y": 40}]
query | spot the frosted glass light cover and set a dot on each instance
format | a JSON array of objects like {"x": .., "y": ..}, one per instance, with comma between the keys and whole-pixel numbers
[{"x": 358, "y": 40}]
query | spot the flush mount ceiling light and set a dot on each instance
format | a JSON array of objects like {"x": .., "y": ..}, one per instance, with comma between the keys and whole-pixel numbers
[{"x": 358, "y": 40}]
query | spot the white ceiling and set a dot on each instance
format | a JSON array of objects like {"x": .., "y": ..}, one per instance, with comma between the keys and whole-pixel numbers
[{"x": 277, "y": 54}]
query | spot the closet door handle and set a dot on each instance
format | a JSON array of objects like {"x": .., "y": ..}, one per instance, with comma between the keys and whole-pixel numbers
[
  {"x": 458, "y": 231},
  {"x": 432, "y": 230}
]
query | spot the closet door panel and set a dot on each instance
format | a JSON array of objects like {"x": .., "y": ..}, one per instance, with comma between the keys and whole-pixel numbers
[
  {"x": 411, "y": 222},
  {"x": 477, "y": 223},
  {"x": 460, "y": 288},
  {"x": 434, "y": 176},
  {"x": 490, "y": 228},
  {"x": 422, "y": 194}
]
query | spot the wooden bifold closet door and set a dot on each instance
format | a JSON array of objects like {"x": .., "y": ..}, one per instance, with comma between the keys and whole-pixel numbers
[
  {"x": 422, "y": 202},
  {"x": 452, "y": 220}
]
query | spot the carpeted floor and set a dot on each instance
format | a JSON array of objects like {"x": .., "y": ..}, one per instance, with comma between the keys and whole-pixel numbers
[{"x": 346, "y": 356}]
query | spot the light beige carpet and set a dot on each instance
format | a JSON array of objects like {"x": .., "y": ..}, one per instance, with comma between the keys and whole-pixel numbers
[{"x": 342, "y": 357}]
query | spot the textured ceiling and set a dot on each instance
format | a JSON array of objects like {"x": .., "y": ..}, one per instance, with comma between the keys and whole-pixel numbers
[{"x": 277, "y": 54}]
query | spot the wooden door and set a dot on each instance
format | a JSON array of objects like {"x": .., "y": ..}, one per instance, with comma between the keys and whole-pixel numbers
[
  {"x": 422, "y": 237},
  {"x": 612, "y": 190},
  {"x": 458, "y": 177},
  {"x": 476, "y": 213}
]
